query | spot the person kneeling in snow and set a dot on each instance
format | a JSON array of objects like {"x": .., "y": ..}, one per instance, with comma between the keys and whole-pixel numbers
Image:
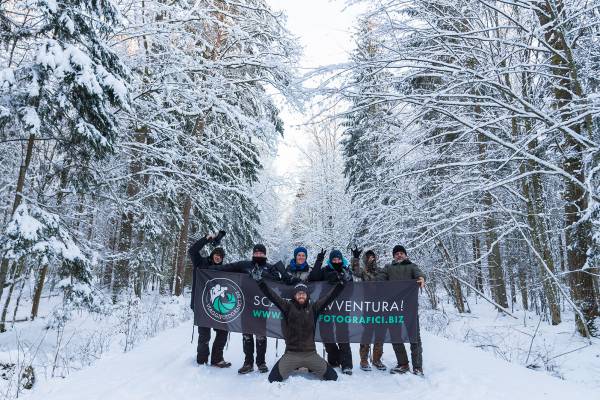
[{"x": 298, "y": 326}]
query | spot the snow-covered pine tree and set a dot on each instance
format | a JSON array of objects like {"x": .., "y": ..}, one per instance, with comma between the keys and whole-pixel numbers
[
  {"x": 61, "y": 84},
  {"x": 201, "y": 120}
]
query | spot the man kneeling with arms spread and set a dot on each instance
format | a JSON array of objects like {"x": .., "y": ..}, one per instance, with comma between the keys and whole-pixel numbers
[{"x": 298, "y": 326}]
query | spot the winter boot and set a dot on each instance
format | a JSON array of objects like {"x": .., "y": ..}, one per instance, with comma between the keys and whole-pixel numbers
[
  {"x": 262, "y": 368},
  {"x": 418, "y": 371},
  {"x": 221, "y": 364},
  {"x": 377, "y": 354},
  {"x": 379, "y": 365},
  {"x": 201, "y": 359},
  {"x": 364, "y": 357},
  {"x": 347, "y": 371},
  {"x": 246, "y": 369},
  {"x": 400, "y": 369}
]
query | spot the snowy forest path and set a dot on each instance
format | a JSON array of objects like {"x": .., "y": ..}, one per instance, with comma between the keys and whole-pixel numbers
[{"x": 164, "y": 368}]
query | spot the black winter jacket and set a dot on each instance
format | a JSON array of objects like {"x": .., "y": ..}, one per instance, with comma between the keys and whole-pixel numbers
[
  {"x": 325, "y": 273},
  {"x": 198, "y": 262},
  {"x": 272, "y": 272},
  {"x": 300, "y": 321}
]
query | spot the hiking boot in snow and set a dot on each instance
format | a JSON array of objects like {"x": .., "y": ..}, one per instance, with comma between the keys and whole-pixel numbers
[
  {"x": 418, "y": 371},
  {"x": 400, "y": 369},
  {"x": 379, "y": 365},
  {"x": 221, "y": 364},
  {"x": 201, "y": 360},
  {"x": 262, "y": 368},
  {"x": 246, "y": 369},
  {"x": 364, "y": 365},
  {"x": 347, "y": 371}
]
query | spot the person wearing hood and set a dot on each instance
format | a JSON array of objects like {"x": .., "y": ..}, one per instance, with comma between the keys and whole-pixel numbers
[
  {"x": 401, "y": 268},
  {"x": 273, "y": 272},
  {"x": 215, "y": 258},
  {"x": 300, "y": 317},
  {"x": 299, "y": 267},
  {"x": 369, "y": 272},
  {"x": 338, "y": 354}
]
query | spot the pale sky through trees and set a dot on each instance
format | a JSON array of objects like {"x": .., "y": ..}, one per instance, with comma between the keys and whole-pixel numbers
[{"x": 324, "y": 29}]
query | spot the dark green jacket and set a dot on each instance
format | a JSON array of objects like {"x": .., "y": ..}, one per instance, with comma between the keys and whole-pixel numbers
[{"x": 401, "y": 271}]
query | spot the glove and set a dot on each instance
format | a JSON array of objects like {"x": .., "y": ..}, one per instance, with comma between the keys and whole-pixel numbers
[
  {"x": 256, "y": 273},
  {"x": 346, "y": 276},
  {"x": 321, "y": 255},
  {"x": 356, "y": 252},
  {"x": 216, "y": 240}
]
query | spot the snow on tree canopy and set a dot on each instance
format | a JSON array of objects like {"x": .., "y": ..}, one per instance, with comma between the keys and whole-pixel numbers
[
  {"x": 64, "y": 60},
  {"x": 35, "y": 231}
]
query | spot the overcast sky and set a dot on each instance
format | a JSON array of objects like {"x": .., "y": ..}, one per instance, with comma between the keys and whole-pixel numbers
[{"x": 324, "y": 30}]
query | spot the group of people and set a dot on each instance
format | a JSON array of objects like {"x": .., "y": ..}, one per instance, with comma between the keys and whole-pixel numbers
[{"x": 300, "y": 314}]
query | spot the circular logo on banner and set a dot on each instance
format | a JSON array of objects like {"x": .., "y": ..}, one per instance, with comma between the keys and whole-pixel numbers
[{"x": 222, "y": 299}]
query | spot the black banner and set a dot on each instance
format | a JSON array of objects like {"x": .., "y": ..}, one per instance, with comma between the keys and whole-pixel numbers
[{"x": 365, "y": 312}]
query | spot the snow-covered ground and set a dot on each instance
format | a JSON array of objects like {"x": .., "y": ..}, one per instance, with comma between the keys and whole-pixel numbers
[
  {"x": 164, "y": 368},
  {"x": 56, "y": 350},
  {"x": 526, "y": 341},
  {"x": 142, "y": 350}
]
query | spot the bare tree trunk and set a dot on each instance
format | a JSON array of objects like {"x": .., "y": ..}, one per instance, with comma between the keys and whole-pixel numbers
[
  {"x": 455, "y": 289},
  {"x": 18, "y": 198},
  {"x": 182, "y": 247},
  {"x": 14, "y": 317},
  {"x": 567, "y": 89},
  {"x": 523, "y": 287},
  {"x": 37, "y": 295},
  {"x": 478, "y": 268},
  {"x": 17, "y": 272},
  {"x": 495, "y": 268},
  {"x": 121, "y": 271}
]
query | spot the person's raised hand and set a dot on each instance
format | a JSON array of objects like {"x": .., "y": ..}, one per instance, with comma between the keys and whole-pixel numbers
[
  {"x": 256, "y": 273},
  {"x": 321, "y": 254},
  {"x": 356, "y": 252},
  {"x": 217, "y": 238}
]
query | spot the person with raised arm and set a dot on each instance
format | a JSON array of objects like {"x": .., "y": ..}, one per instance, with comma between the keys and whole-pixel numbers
[
  {"x": 300, "y": 316},
  {"x": 199, "y": 261}
]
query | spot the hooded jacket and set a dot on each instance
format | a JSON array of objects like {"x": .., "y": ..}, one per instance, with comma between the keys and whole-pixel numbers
[
  {"x": 327, "y": 272},
  {"x": 366, "y": 272},
  {"x": 199, "y": 262},
  {"x": 300, "y": 321}
]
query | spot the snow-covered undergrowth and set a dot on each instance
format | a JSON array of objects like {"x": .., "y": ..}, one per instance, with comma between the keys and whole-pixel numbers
[
  {"x": 48, "y": 347},
  {"x": 528, "y": 341}
]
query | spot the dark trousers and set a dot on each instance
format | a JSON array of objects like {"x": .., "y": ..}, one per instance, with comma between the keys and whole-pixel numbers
[
  {"x": 339, "y": 354},
  {"x": 217, "y": 348},
  {"x": 261, "y": 349},
  {"x": 416, "y": 352}
]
